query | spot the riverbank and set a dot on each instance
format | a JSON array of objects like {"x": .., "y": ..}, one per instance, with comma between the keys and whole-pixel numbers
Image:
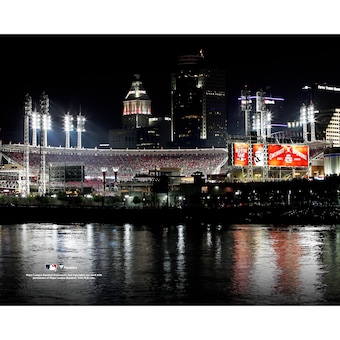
[{"x": 168, "y": 216}]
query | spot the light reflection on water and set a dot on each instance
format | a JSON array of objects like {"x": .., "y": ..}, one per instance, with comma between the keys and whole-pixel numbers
[
  {"x": 278, "y": 266},
  {"x": 177, "y": 265}
]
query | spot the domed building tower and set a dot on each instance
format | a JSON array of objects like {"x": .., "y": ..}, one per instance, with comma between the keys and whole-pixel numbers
[
  {"x": 139, "y": 128},
  {"x": 136, "y": 106}
]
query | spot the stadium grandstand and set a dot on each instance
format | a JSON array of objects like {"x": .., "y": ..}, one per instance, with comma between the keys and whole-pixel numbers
[{"x": 126, "y": 165}]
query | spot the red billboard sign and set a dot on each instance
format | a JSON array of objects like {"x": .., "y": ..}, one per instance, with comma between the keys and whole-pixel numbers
[
  {"x": 258, "y": 154},
  {"x": 288, "y": 155},
  {"x": 241, "y": 154}
]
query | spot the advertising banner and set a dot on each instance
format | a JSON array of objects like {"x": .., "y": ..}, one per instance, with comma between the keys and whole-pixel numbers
[
  {"x": 258, "y": 155},
  {"x": 287, "y": 155},
  {"x": 241, "y": 154}
]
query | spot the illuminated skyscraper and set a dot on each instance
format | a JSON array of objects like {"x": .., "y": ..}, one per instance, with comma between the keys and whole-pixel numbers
[
  {"x": 333, "y": 129},
  {"x": 321, "y": 121},
  {"x": 198, "y": 104}
]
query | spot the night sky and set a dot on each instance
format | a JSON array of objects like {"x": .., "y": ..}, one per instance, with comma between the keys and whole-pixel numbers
[{"x": 94, "y": 73}]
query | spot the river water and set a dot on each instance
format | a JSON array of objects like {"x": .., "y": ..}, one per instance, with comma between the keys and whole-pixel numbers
[{"x": 107, "y": 264}]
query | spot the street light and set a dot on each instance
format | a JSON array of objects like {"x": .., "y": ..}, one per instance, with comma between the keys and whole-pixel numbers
[
  {"x": 115, "y": 171},
  {"x": 104, "y": 169}
]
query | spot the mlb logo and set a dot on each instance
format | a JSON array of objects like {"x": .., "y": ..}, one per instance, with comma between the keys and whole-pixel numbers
[{"x": 51, "y": 267}]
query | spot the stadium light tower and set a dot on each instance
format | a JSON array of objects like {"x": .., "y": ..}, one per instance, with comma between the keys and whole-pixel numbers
[
  {"x": 311, "y": 119},
  {"x": 45, "y": 125},
  {"x": 45, "y": 119},
  {"x": 303, "y": 120},
  {"x": 307, "y": 117},
  {"x": 246, "y": 107},
  {"x": 68, "y": 127},
  {"x": 80, "y": 129},
  {"x": 35, "y": 124},
  {"x": 268, "y": 123},
  {"x": 261, "y": 116},
  {"x": 28, "y": 113}
]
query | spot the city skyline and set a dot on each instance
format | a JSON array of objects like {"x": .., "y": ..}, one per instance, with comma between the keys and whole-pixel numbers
[{"x": 93, "y": 73}]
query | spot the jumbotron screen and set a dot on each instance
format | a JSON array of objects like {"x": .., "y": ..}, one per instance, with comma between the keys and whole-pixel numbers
[{"x": 279, "y": 155}]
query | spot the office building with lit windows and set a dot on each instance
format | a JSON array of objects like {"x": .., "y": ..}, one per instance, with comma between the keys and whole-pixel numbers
[
  {"x": 198, "y": 104},
  {"x": 325, "y": 116},
  {"x": 333, "y": 129}
]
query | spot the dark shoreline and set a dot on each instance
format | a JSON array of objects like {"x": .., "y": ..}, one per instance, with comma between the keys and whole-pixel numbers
[{"x": 169, "y": 216}]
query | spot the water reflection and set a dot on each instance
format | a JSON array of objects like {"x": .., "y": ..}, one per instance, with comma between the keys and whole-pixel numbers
[
  {"x": 128, "y": 264},
  {"x": 180, "y": 263},
  {"x": 128, "y": 255},
  {"x": 278, "y": 266}
]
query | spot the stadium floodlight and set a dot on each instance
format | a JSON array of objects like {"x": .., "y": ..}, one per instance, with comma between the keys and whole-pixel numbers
[
  {"x": 311, "y": 119},
  {"x": 246, "y": 106},
  {"x": 46, "y": 122},
  {"x": 80, "y": 123},
  {"x": 45, "y": 125},
  {"x": 35, "y": 122},
  {"x": 310, "y": 111},
  {"x": 303, "y": 120},
  {"x": 80, "y": 128},
  {"x": 28, "y": 113},
  {"x": 303, "y": 116},
  {"x": 68, "y": 127},
  {"x": 35, "y": 125},
  {"x": 257, "y": 123},
  {"x": 45, "y": 118},
  {"x": 268, "y": 122}
]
